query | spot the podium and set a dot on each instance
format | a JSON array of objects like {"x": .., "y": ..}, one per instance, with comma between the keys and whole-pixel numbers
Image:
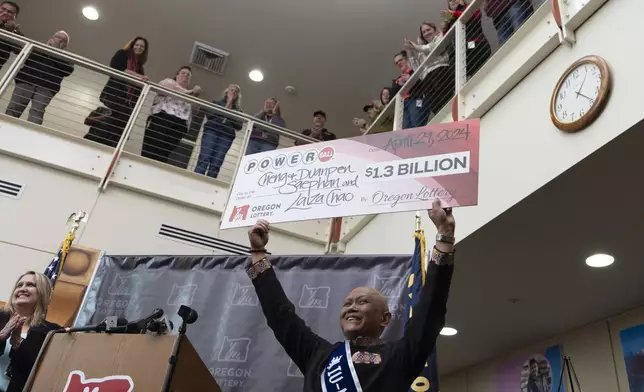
[{"x": 71, "y": 362}]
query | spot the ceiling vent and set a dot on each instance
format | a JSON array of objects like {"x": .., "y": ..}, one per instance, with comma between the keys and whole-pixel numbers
[
  {"x": 11, "y": 189},
  {"x": 211, "y": 59},
  {"x": 202, "y": 241}
]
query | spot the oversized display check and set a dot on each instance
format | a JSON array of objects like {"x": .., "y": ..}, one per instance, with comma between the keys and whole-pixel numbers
[{"x": 370, "y": 174}]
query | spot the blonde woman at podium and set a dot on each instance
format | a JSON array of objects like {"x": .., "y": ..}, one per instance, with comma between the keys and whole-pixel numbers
[
  {"x": 363, "y": 362},
  {"x": 23, "y": 329}
]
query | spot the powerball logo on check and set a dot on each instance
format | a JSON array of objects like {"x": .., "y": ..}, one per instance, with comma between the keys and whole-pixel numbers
[
  {"x": 242, "y": 213},
  {"x": 294, "y": 159}
]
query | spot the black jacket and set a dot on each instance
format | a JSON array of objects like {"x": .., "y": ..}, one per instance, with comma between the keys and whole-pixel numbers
[
  {"x": 7, "y": 47},
  {"x": 402, "y": 360},
  {"x": 220, "y": 123},
  {"x": 325, "y": 136},
  {"x": 117, "y": 93},
  {"x": 23, "y": 358},
  {"x": 45, "y": 71}
]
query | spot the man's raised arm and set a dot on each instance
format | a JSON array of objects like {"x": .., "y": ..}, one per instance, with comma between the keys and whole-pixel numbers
[
  {"x": 290, "y": 330},
  {"x": 428, "y": 317}
]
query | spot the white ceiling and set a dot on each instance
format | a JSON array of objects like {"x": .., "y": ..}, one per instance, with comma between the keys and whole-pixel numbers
[
  {"x": 535, "y": 253},
  {"x": 337, "y": 53}
]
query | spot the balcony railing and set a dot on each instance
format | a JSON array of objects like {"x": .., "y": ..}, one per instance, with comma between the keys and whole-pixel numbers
[
  {"x": 462, "y": 52},
  {"x": 79, "y": 110}
]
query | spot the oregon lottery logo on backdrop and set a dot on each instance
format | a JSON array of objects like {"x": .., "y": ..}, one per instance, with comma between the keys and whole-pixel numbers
[
  {"x": 234, "y": 350},
  {"x": 123, "y": 285},
  {"x": 294, "y": 159},
  {"x": 182, "y": 295},
  {"x": 244, "y": 295},
  {"x": 76, "y": 382},
  {"x": 118, "y": 300},
  {"x": 233, "y": 355},
  {"x": 315, "y": 297},
  {"x": 390, "y": 287}
]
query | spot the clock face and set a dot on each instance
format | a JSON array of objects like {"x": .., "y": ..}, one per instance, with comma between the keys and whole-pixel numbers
[{"x": 578, "y": 93}]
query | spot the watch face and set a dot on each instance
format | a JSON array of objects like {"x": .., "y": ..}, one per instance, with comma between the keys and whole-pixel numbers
[{"x": 578, "y": 93}]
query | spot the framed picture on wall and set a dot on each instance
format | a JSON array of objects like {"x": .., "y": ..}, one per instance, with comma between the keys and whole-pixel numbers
[
  {"x": 633, "y": 349},
  {"x": 536, "y": 372}
]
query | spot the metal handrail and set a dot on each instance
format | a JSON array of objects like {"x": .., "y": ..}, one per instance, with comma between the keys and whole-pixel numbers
[{"x": 101, "y": 68}]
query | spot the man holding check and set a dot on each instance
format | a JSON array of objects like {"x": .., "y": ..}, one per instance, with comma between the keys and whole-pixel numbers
[{"x": 363, "y": 362}]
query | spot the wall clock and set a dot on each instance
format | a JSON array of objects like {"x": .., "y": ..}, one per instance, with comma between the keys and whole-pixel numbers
[{"x": 581, "y": 94}]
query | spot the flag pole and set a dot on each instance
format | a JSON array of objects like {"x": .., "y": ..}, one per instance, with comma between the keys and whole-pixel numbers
[
  {"x": 55, "y": 267},
  {"x": 417, "y": 221}
]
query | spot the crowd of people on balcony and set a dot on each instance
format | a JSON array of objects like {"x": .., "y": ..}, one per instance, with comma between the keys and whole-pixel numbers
[
  {"x": 171, "y": 118},
  {"x": 435, "y": 86}
]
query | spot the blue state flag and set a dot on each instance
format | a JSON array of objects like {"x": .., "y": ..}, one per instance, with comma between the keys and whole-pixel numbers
[
  {"x": 427, "y": 380},
  {"x": 55, "y": 267}
]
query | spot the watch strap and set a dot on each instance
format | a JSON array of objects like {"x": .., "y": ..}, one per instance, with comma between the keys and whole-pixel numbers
[
  {"x": 258, "y": 268},
  {"x": 441, "y": 258},
  {"x": 448, "y": 239}
]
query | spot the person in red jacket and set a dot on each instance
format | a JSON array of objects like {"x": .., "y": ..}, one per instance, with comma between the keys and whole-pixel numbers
[{"x": 478, "y": 47}]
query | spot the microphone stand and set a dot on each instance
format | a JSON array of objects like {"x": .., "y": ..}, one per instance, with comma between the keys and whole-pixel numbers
[{"x": 172, "y": 361}]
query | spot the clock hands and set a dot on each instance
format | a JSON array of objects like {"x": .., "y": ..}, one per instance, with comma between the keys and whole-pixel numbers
[
  {"x": 582, "y": 85},
  {"x": 588, "y": 98}
]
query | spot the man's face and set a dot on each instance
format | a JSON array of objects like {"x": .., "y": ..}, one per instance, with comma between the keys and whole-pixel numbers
[
  {"x": 534, "y": 370},
  {"x": 364, "y": 313},
  {"x": 401, "y": 62},
  {"x": 183, "y": 77},
  {"x": 7, "y": 12},
  {"x": 319, "y": 121},
  {"x": 58, "y": 40}
]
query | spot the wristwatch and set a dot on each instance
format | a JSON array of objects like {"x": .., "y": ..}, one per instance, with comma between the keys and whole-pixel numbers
[{"x": 448, "y": 239}]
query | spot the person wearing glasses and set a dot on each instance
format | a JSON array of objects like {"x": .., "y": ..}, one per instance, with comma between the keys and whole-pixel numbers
[{"x": 8, "y": 13}]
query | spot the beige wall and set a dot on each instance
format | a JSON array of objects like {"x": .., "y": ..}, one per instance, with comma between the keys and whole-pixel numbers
[{"x": 595, "y": 351}]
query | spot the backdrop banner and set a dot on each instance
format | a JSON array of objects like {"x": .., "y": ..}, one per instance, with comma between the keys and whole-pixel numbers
[{"x": 231, "y": 334}]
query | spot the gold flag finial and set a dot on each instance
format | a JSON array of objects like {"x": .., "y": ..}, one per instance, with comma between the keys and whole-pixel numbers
[{"x": 75, "y": 219}]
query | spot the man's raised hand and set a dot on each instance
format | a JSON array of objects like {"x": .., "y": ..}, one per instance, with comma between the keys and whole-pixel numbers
[
  {"x": 442, "y": 218},
  {"x": 258, "y": 235}
]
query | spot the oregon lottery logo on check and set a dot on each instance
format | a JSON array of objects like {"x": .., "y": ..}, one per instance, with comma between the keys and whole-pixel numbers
[{"x": 370, "y": 174}]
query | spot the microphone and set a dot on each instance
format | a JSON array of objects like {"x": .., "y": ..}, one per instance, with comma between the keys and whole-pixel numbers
[
  {"x": 103, "y": 326},
  {"x": 141, "y": 324},
  {"x": 161, "y": 326},
  {"x": 187, "y": 314}
]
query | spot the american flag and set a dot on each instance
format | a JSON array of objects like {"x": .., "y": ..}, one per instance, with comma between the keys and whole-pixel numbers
[{"x": 55, "y": 267}]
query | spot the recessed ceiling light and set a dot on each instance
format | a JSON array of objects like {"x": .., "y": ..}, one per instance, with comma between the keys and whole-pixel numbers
[
  {"x": 448, "y": 331},
  {"x": 256, "y": 75},
  {"x": 90, "y": 13},
  {"x": 600, "y": 260}
]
